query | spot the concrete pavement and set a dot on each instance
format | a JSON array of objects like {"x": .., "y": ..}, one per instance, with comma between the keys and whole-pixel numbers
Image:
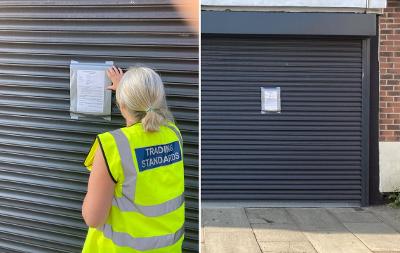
[{"x": 306, "y": 230}]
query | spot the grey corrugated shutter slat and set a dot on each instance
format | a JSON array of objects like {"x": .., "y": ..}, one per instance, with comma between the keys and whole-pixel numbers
[
  {"x": 42, "y": 180},
  {"x": 312, "y": 150}
]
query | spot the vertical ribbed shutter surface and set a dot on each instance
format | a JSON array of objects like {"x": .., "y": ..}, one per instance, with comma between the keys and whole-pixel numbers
[
  {"x": 311, "y": 151},
  {"x": 42, "y": 179}
]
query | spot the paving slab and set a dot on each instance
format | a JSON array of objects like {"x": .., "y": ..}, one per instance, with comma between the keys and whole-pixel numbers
[
  {"x": 350, "y": 215},
  {"x": 301, "y": 247},
  {"x": 390, "y": 216},
  {"x": 274, "y": 247},
  {"x": 287, "y": 247},
  {"x": 278, "y": 233},
  {"x": 231, "y": 242},
  {"x": 225, "y": 220},
  {"x": 315, "y": 219},
  {"x": 269, "y": 215},
  {"x": 377, "y": 236},
  {"x": 294, "y": 230},
  {"x": 336, "y": 242}
]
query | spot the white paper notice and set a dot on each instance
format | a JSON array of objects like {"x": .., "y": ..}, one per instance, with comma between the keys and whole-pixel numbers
[
  {"x": 270, "y": 99},
  {"x": 90, "y": 91}
]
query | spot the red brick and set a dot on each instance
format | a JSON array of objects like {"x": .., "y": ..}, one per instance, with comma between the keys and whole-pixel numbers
[
  {"x": 386, "y": 54},
  {"x": 387, "y": 76},
  {"x": 390, "y": 26},
  {"x": 387, "y": 99},
  {"x": 393, "y": 116},
  {"x": 387, "y": 133},
  {"x": 389, "y": 138},
  {"x": 386, "y": 20},
  {"x": 386, "y": 110},
  {"x": 393, "y": 15},
  {"x": 386, "y": 65},
  {"x": 387, "y": 43},
  {"x": 387, "y": 121},
  {"x": 393, "y": 93},
  {"x": 393, "y": 104},
  {"x": 395, "y": 58},
  {"x": 393, "y": 71},
  {"x": 387, "y": 31},
  {"x": 393, "y": 37},
  {"x": 393, "y": 127},
  {"x": 386, "y": 87},
  {"x": 392, "y": 82},
  {"x": 393, "y": 3},
  {"x": 390, "y": 9}
]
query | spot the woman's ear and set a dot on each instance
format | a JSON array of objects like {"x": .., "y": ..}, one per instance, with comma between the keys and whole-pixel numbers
[{"x": 124, "y": 112}]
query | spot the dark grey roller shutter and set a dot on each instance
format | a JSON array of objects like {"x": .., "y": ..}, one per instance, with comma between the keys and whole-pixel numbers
[
  {"x": 313, "y": 150},
  {"x": 42, "y": 180}
]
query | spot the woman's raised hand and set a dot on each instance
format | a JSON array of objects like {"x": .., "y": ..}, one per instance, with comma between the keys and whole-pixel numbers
[{"x": 115, "y": 75}]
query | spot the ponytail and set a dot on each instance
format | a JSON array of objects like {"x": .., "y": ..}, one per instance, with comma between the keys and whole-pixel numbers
[{"x": 152, "y": 121}]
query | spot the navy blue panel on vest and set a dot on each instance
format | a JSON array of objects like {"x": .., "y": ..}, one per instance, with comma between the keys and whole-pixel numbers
[{"x": 157, "y": 156}]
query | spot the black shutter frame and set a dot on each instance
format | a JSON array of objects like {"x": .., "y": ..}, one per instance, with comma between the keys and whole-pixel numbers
[{"x": 210, "y": 174}]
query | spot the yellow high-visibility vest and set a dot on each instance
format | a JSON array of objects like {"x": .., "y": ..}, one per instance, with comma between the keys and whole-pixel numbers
[{"x": 148, "y": 210}]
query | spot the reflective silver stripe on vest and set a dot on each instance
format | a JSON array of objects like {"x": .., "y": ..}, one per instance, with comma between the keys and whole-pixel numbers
[
  {"x": 177, "y": 134},
  {"x": 126, "y": 202},
  {"x": 150, "y": 211},
  {"x": 141, "y": 243},
  {"x": 125, "y": 153}
]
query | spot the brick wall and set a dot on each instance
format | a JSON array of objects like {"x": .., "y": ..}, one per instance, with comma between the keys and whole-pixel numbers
[{"x": 389, "y": 57}]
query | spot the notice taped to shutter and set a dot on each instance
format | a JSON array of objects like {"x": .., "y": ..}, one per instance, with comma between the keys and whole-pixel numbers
[
  {"x": 90, "y": 91},
  {"x": 270, "y": 99}
]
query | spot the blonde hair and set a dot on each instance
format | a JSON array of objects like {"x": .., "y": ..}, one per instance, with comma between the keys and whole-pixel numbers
[{"x": 141, "y": 91}]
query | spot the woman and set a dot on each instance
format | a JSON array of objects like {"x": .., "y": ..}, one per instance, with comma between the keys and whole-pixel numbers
[{"x": 134, "y": 201}]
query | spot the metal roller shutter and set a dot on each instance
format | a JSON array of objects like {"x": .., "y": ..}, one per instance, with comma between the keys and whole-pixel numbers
[
  {"x": 42, "y": 180},
  {"x": 314, "y": 150}
]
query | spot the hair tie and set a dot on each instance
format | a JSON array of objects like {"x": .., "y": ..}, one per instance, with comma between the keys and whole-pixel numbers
[{"x": 150, "y": 109}]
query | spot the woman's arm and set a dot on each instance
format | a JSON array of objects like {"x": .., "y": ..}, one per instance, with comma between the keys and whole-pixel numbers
[{"x": 98, "y": 200}]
